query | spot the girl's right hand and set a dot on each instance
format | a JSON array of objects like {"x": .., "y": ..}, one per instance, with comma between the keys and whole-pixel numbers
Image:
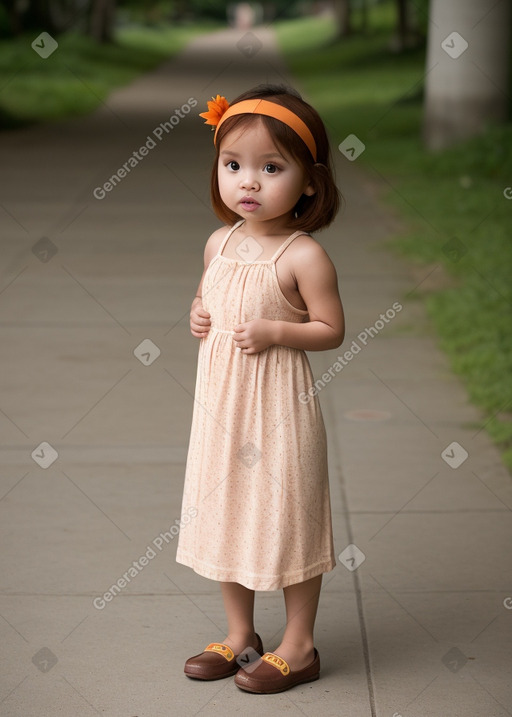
[{"x": 199, "y": 319}]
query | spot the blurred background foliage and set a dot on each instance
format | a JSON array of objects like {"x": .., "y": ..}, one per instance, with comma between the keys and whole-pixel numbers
[
  {"x": 455, "y": 203},
  {"x": 99, "y": 17},
  {"x": 364, "y": 65}
]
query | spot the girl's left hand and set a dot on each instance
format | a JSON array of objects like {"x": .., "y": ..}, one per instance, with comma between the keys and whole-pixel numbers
[{"x": 254, "y": 336}]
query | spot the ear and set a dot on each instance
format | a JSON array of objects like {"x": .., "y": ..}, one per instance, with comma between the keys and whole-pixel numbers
[{"x": 309, "y": 190}]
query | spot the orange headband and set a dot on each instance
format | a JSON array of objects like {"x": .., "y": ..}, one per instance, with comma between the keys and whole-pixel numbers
[{"x": 270, "y": 109}]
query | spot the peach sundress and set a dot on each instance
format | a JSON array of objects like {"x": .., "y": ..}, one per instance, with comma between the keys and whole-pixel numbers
[{"x": 256, "y": 479}]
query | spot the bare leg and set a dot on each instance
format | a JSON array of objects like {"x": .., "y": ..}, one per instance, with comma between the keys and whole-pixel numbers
[
  {"x": 301, "y": 602},
  {"x": 239, "y": 607}
]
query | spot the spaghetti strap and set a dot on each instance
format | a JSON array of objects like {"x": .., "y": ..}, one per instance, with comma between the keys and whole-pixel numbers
[
  {"x": 285, "y": 244},
  {"x": 229, "y": 233}
]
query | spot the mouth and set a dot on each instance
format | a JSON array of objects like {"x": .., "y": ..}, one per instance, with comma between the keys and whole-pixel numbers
[{"x": 249, "y": 204}]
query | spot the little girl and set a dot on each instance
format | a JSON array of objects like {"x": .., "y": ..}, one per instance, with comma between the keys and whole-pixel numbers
[{"x": 256, "y": 475}]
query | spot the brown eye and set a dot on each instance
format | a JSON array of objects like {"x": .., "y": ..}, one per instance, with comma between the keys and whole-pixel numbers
[
  {"x": 270, "y": 168},
  {"x": 234, "y": 166}
]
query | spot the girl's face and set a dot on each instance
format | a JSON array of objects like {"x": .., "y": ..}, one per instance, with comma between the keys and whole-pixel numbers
[{"x": 257, "y": 180}]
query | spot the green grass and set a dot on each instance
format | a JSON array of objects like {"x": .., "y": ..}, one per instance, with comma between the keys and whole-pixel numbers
[
  {"x": 456, "y": 196},
  {"x": 80, "y": 74}
]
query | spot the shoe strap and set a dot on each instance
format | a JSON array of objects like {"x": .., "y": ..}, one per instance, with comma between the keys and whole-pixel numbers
[
  {"x": 277, "y": 662},
  {"x": 221, "y": 649}
]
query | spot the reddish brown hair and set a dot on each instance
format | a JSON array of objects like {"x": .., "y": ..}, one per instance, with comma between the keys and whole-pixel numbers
[{"x": 313, "y": 212}]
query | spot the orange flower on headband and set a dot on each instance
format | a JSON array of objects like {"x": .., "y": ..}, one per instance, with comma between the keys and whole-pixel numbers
[{"x": 216, "y": 108}]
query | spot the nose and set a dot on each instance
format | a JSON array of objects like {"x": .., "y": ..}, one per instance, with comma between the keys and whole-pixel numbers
[{"x": 248, "y": 182}]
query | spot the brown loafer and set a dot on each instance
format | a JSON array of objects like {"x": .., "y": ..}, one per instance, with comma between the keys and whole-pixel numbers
[
  {"x": 218, "y": 661},
  {"x": 272, "y": 674}
]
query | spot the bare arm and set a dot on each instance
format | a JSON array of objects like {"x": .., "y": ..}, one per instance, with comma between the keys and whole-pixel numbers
[{"x": 318, "y": 285}]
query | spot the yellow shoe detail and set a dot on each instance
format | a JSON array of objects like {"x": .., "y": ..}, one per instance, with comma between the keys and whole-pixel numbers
[
  {"x": 277, "y": 662},
  {"x": 221, "y": 649}
]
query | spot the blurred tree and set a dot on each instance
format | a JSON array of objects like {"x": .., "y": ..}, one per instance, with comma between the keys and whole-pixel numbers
[
  {"x": 214, "y": 9},
  {"x": 408, "y": 33},
  {"x": 343, "y": 17},
  {"x": 101, "y": 20},
  {"x": 364, "y": 15},
  {"x": 11, "y": 11},
  {"x": 280, "y": 9},
  {"x": 54, "y": 16},
  {"x": 403, "y": 22},
  {"x": 420, "y": 18},
  {"x": 467, "y": 69}
]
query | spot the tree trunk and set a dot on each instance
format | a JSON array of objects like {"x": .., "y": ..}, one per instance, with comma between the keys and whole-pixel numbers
[
  {"x": 101, "y": 20},
  {"x": 466, "y": 87},
  {"x": 38, "y": 15},
  {"x": 342, "y": 15},
  {"x": 402, "y": 27},
  {"x": 13, "y": 13},
  {"x": 364, "y": 16}
]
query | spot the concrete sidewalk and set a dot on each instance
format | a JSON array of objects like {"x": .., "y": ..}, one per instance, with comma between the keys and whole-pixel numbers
[{"x": 414, "y": 623}]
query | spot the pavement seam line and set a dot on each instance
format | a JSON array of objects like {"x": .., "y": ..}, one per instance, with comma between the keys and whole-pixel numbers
[{"x": 355, "y": 577}]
